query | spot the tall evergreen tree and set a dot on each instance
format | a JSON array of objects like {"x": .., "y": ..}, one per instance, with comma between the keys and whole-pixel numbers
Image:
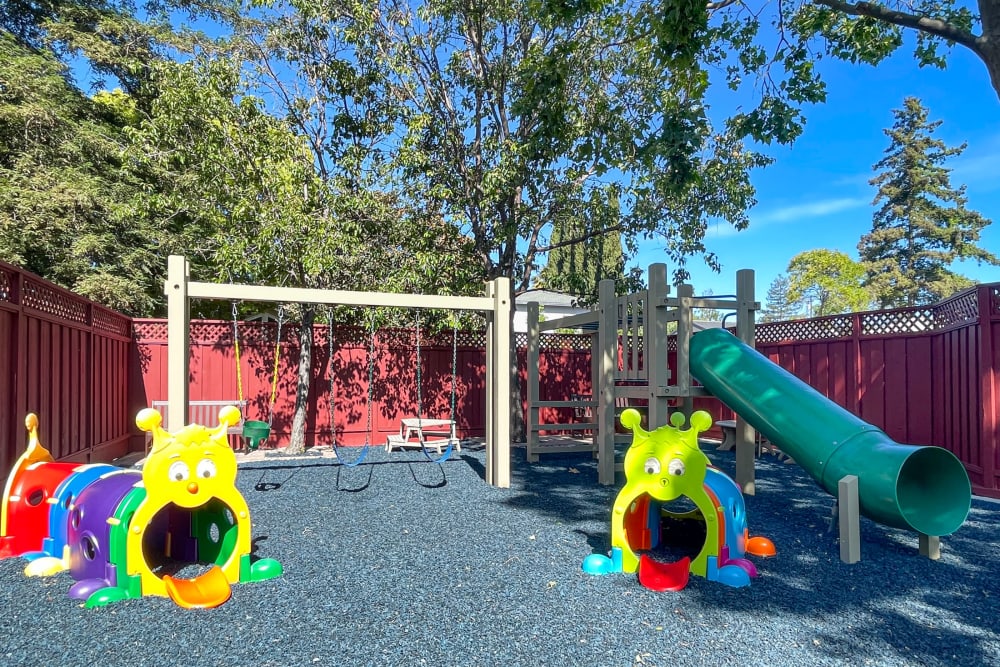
[
  {"x": 780, "y": 305},
  {"x": 923, "y": 224},
  {"x": 577, "y": 268}
]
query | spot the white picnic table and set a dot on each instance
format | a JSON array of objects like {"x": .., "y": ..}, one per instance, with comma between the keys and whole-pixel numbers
[{"x": 442, "y": 432}]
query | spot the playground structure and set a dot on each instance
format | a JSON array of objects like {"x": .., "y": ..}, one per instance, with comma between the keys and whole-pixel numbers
[
  {"x": 626, "y": 364},
  {"x": 663, "y": 466},
  {"x": 496, "y": 305},
  {"x": 920, "y": 488},
  {"x": 122, "y": 534},
  {"x": 923, "y": 489}
]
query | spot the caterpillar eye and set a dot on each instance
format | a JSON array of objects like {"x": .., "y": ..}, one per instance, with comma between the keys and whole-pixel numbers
[
  {"x": 179, "y": 472},
  {"x": 652, "y": 466},
  {"x": 676, "y": 467},
  {"x": 206, "y": 469}
]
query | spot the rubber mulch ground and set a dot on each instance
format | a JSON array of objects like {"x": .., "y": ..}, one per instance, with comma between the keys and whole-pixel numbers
[{"x": 403, "y": 562}]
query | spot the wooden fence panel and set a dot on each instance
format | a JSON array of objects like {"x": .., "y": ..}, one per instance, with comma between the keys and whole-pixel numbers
[
  {"x": 926, "y": 375},
  {"x": 64, "y": 358}
]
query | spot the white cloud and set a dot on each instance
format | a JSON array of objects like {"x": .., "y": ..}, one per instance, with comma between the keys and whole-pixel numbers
[
  {"x": 791, "y": 213},
  {"x": 815, "y": 209}
]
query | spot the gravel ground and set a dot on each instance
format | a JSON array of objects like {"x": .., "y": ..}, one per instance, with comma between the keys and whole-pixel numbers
[{"x": 403, "y": 562}]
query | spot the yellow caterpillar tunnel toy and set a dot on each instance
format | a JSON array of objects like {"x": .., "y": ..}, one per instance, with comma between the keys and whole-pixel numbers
[
  {"x": 663, "y": 466},
  {"x": 123, "y": 533}
]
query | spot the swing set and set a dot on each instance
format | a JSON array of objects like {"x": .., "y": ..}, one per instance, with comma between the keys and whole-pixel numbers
[
  {"x": 257, "y": 431},
  {"x": 418, "y": 426},
  {"x": 496, "y": 305}
]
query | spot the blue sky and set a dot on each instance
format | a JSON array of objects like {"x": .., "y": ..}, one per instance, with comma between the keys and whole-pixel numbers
[{"x": 816, "y": 194}]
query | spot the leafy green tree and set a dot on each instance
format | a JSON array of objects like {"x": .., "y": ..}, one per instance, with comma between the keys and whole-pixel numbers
[
  {"x": 871, "y": 31},
  {"x": 828, "y": 281},
  {"x": 780, "y": 306},
  {"x": 518, "y": 116},
  {"x": 64, "y": 204},
  {"x": 775, "y": 47},
  {"x": 922, "y": 225},
  {"x": 115, "y": 43}
]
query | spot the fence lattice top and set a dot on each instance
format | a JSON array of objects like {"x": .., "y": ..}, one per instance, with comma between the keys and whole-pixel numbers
[{"x": 961, "y": 309}]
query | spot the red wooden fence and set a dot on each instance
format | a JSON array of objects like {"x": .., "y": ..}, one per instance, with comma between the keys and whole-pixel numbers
[
  {"x": 925, "y": 375},
  {"x": 393, "y": 390},
  {"x": 64, "y": 358}
]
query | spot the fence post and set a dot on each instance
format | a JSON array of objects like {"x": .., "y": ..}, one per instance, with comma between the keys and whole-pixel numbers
[{"x": 988, "y": 377}]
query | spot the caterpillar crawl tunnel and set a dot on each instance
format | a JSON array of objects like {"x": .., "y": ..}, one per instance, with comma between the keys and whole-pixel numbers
[
  {"x": 662, "y": 468},
  {"x": 123, "y": 533}
]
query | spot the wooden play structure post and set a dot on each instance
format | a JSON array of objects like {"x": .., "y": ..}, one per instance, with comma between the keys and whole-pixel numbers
[
  {"x": 746, "y": 444},
  {"x": 496, "y": 304},
  {"x": 629, "y": 361}
]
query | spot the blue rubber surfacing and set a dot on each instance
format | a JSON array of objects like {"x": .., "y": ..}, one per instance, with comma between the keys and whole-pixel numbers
[{"x": 399, "y": 561}]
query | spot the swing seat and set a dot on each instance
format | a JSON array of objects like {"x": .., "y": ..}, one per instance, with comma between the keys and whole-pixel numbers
[{"x": 255, "y": 432}]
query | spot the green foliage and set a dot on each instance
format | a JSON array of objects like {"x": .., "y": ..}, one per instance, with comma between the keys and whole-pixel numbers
[
  {"x": 922, "y": 225},
  {"x": 578, "y": 268},
  {"x": 517, "y": 117},
  {"x": 868, "y": 32},
  {"x": 828, "y": 281},
  {"x": 64, "y": 204}
]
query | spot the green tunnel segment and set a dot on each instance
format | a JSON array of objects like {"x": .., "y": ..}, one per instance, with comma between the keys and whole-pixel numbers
[{"x": 925, "y": 489}]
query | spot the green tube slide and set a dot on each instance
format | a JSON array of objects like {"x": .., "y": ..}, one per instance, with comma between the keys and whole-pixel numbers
[{"x": 925, "y": 489}]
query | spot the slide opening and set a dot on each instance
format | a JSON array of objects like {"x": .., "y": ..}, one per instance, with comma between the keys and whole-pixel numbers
[{"x": 933, "y": 491}]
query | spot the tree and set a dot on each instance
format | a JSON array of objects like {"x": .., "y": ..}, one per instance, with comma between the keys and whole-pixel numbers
[
  {"x": 780, "y": 306},
  {"x": 858, "y": 32},
  {"x": 923, "y": 224},
  {"x": 578, "y": 269},
  {"x": 515, "y": 117},
  {"x": 829, "y": 281},
  {"x": 65, "y": 209},
  {"x": 877, "y": 31}
]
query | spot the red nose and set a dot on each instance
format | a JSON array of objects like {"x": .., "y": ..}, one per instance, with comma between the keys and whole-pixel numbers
[{"x": 192, "y": 487}]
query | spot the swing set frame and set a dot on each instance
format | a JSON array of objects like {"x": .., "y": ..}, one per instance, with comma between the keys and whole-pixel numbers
[{"x": 496, "y": 305}]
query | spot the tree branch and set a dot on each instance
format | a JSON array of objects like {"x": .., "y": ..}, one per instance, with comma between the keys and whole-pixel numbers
[
  {"x": 931, "y": 26},
  {"x": 580, "y": 239}
]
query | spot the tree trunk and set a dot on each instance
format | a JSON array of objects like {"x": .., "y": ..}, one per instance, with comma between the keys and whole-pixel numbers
[
  {"x": 297, "y": 443},
  {"x": 518, "y": 430},
  {"x": 989, "y": 14}
]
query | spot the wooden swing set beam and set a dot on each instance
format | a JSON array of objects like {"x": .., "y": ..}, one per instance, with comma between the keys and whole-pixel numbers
[{"x": 496, "y": 304}]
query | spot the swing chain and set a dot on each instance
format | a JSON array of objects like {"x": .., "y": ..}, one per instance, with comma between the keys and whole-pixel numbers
[
  {"x": 236, "y": 347},
  {"x": 454, "y": 367},
  {"x": 371, "y": 382},
  {"x": 274, "y": 374},
  {"x": 329, "y": 342},
  {"x": 420, "y": 399}
]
